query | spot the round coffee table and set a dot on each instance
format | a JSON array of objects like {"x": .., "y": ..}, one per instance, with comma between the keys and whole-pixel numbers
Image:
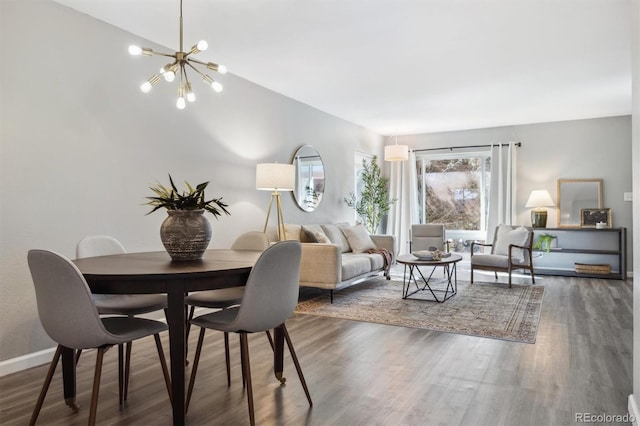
[{"x": 415, "y": 275}]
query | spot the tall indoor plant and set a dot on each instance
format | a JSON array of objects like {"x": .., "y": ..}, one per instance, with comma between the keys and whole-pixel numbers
[
  {"x": 374, "y": 202},
  {"x": 185, "y": 233}
]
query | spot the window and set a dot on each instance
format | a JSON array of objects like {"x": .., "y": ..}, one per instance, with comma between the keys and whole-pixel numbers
[{"x": 453, "y": 189}]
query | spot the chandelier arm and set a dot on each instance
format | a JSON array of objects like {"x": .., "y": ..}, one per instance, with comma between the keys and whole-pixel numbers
[
  {"x": 194, "y": 68},
  {"x": 168, "y": 55}
]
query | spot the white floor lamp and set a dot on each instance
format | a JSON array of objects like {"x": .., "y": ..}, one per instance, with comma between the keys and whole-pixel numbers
[{"x": 275, "y": 177}]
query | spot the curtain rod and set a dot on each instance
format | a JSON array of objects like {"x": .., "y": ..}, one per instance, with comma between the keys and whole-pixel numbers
[{"x": 451, "y": 148}]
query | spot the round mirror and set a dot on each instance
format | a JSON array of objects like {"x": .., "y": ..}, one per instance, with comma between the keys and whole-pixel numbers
[{"x": 309, "y": 178}]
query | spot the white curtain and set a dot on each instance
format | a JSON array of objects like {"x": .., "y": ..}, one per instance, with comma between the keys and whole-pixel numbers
[
  {"x": 403, "y": 186},
  {"x": 503, "y": 187}
]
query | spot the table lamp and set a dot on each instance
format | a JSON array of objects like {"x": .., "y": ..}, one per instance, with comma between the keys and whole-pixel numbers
[
  {"x": 538, "y": 201},
  {"x": 275, "y": 177}
]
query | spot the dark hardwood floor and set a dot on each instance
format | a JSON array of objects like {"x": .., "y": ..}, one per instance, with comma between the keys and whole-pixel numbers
[{"x": 369, "y": 374}]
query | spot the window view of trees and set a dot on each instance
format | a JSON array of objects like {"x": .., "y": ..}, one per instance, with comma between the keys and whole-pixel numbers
[{"x": 454, "y": 191}]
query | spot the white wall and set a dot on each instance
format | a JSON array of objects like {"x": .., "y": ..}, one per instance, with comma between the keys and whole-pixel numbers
[
  {"x": 80, "y": 145},
  {"x": 634, "y": 400},
  {"x": 595, "y": 148}
]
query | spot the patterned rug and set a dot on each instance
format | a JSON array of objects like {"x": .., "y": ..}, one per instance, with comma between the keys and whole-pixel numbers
[{"x": 482, "y": 309}]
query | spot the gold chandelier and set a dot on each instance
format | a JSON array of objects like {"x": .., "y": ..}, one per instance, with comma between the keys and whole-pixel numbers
[{"x": 181, "y": 60}]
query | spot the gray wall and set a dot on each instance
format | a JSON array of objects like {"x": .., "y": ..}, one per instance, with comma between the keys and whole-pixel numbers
[
  {"x": 81, "y": 144},
  {"x": 595, "y": 148}
]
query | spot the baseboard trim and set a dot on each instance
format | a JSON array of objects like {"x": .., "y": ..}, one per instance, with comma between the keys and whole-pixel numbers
[
  {"x": 633, "y": 410},
  {"x": 25, "y": 362}
]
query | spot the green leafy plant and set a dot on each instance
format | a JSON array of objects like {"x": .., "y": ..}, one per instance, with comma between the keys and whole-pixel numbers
[
  {"x": 544, "y": 242},
  {"x": 374, "y": 202},
  {"x": 191, "y": 199}
]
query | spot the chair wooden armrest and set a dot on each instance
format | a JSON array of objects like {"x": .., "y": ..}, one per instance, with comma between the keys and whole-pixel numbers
[{"x": 478, "y": 243}]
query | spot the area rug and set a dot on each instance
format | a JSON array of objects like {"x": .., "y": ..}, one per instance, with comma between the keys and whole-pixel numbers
[{"x": 482, "y": 309}]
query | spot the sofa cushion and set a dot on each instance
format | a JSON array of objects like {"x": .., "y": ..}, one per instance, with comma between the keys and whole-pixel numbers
[
  {"x": 507, "y": 236},
  {"x": 292, "y": 232},
  {"x": 358, "y": 238},
  {"x": 376, "y": 260},
  {"x": 354, "y": 265},
  {"x": 337, "y": 237},
  {"x": 314, "y": 233}
]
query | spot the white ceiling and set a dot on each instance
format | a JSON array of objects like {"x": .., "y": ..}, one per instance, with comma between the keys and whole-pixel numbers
[{"x": 409, "y": 66}]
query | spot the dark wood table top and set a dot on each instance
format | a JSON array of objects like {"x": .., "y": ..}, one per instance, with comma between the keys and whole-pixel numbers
[{"x": 158, "y": 265}]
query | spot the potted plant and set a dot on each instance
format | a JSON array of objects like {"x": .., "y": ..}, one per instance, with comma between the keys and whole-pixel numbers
[
  {"x": 374, "y": 201},
  {"x": 185, "y": 233},
  {"x": 544, "y": 242}
]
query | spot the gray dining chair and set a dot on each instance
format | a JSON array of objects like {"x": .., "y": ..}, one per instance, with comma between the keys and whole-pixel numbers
[
  {"x": 69, "y": 316},
  {"x": 270, "y": 296},
  {"x": 118, "y": 304},
  {"x": 227, "y": 297}
]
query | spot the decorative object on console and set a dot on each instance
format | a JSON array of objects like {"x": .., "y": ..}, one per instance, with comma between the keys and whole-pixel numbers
[
  {"x": 396, "y": 152},
  {"x": 576, "y": 194},
  {"x": 595, "y": 218},
  {"x": 181, "y": 59},
  {"x": 544, "y": 242},
  {"x": 538, "y": 201},
  {"x": 185, "y": 233},
  {"x": 275, "y": 177},
  {"x": 374, "y": 201}
]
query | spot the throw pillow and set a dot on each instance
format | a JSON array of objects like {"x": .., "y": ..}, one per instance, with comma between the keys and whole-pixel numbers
[
  {"x": 292, "y": 232},
  {"x": 321, "y": 238},
  {"x": 358, "y": 238},
  {"x": 312, "y": 232},
  {"x": 337, "y": 237},
  {"x": 506, "y": 236}
]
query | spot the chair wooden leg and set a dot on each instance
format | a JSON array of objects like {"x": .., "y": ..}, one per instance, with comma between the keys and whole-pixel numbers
[
  {"x": 78, "y": 353},
  {"x": 127, "y": 370},
  {"x": 270, "y": 340},
  {"x": 297, "y": 364},
  {"x": 163, "y": 364},
  {"x": 194, "y": 368},
  {"x": 246, "y": 367},
  {"x": 244, "y": 383},
  {"x": 496, "y": 274},
  {"x": 96, "y": 386},
  {"x": 471, "y": 275},
  {"x": 227, "y": 358},
  {"x": 120, "y": 374},
  {"x": 45, "y": 385}
]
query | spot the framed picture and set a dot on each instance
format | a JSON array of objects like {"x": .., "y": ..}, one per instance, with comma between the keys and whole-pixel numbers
[{"x": 589, "y": 218}]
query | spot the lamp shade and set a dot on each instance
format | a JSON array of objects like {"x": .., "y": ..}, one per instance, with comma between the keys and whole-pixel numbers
[
  {"x": 540, "y": 198},
  {"x": 396, "y": 153},
  {"x": 275, "y": 176}
]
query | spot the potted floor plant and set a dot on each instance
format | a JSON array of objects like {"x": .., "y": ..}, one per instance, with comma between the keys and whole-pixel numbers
[
  {"x": 374, "y": 202},
  {"x": 186, "y": 232}
]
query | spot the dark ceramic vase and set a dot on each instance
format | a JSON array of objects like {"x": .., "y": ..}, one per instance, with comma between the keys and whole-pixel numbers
[{"x": 185, "y": 234}]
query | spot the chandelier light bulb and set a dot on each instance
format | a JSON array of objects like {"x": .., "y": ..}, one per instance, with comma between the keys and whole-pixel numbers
[
  {"x": 147, "y": 85},
  {"x": 216, "y": 86},
  {"x": 202, "y": 45},
  {"x": 191, "y": 97},
  {"x": 222, "y": 69},
  {"x": 169, "y": 76},
  {"x": 135, "y": 50},
  {"x": 180, "y": 103}
]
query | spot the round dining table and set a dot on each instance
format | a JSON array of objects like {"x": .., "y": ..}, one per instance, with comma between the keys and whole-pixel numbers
[{"x": 155, "y": 272}]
